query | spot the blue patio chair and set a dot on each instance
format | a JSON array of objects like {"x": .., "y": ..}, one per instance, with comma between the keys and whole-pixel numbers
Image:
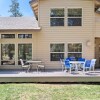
[
  {"x": 72, "y": 58},
  {"x": 67, "y": 65},
  {"x": 87, "y": 65},
  {"x": 68, "y": 59},
  {"x": 93, "y": 61},
  {"x": 81, "y": 59}
]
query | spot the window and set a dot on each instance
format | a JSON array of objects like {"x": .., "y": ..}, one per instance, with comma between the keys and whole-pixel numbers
[
  {"x": 24, "y": 51},
  {"x": 74, "y": 17},
  {"x": 75, "y": 50},
  {"x": 57, "y": 17},
  {"x": 24, "y": 35},
  {"x": 7, "y": 36},
  {"x": 7, "y": 54},
  {"x": 56, "y": 52}
]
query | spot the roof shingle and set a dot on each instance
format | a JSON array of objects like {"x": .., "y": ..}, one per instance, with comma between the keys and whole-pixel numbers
[{"x": 18, "y": 23}]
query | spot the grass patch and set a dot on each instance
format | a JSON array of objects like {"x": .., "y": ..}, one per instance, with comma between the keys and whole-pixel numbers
[{"x": 49, "y": 92}]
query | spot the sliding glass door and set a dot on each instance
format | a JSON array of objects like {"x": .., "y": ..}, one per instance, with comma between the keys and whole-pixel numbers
[
  {"x": 24, "y": 51},
  {"x": 7, "y": 54}
]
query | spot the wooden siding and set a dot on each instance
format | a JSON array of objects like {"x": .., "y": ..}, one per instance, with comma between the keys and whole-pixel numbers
[
  {"x": 17, "y": 41},
  {"x": 65, "y": 34},
  {"x": 97, "y": 30},
  {"x": 77, "y": 34}
]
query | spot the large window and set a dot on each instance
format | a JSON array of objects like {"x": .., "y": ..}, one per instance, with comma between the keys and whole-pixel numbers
[
  {"x": 7, "y": 54},
  {"x": 74, "y": 17},
  {"x": 75, "y": 50},
  {"x": 7, "y": 36},
  {"x": 56, "y": 52},
  {"x": 57, "y": 17},
  {"x": 24, "y": 35},
  {"x": 24, "y": 51}
]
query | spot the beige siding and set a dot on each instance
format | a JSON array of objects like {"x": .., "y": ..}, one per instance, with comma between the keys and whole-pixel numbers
[
  {"x": 17, "y": 41},
  {"x": 97, "y": 30},
  {"x": 41, "y": 39},
  {"x": 65, "y": 34}
]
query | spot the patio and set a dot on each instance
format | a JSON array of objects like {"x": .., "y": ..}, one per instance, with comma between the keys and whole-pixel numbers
[{"x": 49, "y": 76}]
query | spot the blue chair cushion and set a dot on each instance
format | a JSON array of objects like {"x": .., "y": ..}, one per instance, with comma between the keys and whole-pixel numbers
[
  {"x": 88, "y": 63},
  {"x": 81, "y": 59},
  {"x": 67, "y": 64},
  {"x": 68, "y": 59}
]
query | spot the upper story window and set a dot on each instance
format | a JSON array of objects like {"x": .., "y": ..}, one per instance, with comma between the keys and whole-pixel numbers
[
  {"x": 7, "y": 36},
  {"x": 24, "y": 35},
  {"x": 74, "y": 16},
  {"x": 57, "y": 17}
]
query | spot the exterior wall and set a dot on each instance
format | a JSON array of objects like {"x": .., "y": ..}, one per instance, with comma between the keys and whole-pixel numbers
[
  {"x": 61, "y": 34},
  {"x": 97, "y": 30},
  {"x": 65, "y": 34},
  {"x": 17, "y": 41}
]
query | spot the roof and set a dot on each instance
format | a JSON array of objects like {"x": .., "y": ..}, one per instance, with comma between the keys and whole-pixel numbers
[
  {"x": 18, "y": 23},
  {"x": 34, "y": 4}
]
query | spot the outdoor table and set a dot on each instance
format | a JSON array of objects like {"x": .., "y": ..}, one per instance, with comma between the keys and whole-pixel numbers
[
  {"x": 31, "y": 62},
  {"x": 76, "y": 64}
]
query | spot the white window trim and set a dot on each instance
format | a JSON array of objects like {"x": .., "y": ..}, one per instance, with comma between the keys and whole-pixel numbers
[
  {"x": 26, "y": 43},
  {"x": 56, "y": 17},
  {"x": 8, "y": 60},
  {"x": 75, "y": 43},
  {"x": 56, "y": 52},
  {"x": 75, "y": 17},
  {"x": 24, "y": 33},
  {"x": 7, "y": 38}
]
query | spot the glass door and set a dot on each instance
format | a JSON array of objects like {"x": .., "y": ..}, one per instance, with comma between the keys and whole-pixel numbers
[
  {"x": 7, "y": 54},
  {"x": 24, "y": 52}
]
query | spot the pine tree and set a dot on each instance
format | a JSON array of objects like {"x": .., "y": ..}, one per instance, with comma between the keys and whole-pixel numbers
[{"x": 14, "y": 9}]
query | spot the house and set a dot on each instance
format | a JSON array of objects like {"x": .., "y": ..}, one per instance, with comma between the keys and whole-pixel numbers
[{"x": 64, "y": 28}]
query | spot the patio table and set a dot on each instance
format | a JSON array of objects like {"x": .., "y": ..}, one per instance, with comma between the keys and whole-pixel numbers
[
  {"x": 76, "y": 64},
  {"x": 31, "y": 62}
]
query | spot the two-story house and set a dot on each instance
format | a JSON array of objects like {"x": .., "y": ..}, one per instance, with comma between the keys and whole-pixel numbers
[{"x": 65, "y": 28}]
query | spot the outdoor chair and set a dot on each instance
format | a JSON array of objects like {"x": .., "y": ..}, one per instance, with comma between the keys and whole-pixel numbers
[
  {"x": 87, "y": 65},
  {"x": 93, "y": 61},
  {"x": 67, "y": 65},
  {"x": 81, "y": 59},
  {"x": 72, "y": 59},
  {"x": 40, "y": 66},
  {"x": 24, "y": 65},
  {"x": 62, "y": 64},
  {"x": 81, "y": 65}
]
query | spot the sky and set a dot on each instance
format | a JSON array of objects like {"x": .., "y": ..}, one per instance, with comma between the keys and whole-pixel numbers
[{"x": 24, "y": 6}]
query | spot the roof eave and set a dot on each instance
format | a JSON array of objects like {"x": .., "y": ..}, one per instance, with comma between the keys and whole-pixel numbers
[
  {"x": 36, "y": 29},
  {"x": 34, "y": 5}
]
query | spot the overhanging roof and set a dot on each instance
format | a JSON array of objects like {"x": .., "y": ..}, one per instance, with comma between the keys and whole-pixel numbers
[
  {"x": 18, "y": 23},
  {"x": 34, "y": 5},
  {"x": 97, "y": 6}
]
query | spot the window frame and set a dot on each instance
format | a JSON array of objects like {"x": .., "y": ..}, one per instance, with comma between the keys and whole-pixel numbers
[
  {"x": 75, "y": 17},
  {"x": 56, "y": 52},
  {"x": 74, "y": 52},
  {"x": 24, "y": 44},
  {"x": 8, "y": 60},
  {"x": 24, "y": 34},
  {"x": 57, "y": 17},
  {"x": 8, "y": 34}
]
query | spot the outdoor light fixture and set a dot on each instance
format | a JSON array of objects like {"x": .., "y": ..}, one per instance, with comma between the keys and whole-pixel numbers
[{"x": 88, "y": 43}]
